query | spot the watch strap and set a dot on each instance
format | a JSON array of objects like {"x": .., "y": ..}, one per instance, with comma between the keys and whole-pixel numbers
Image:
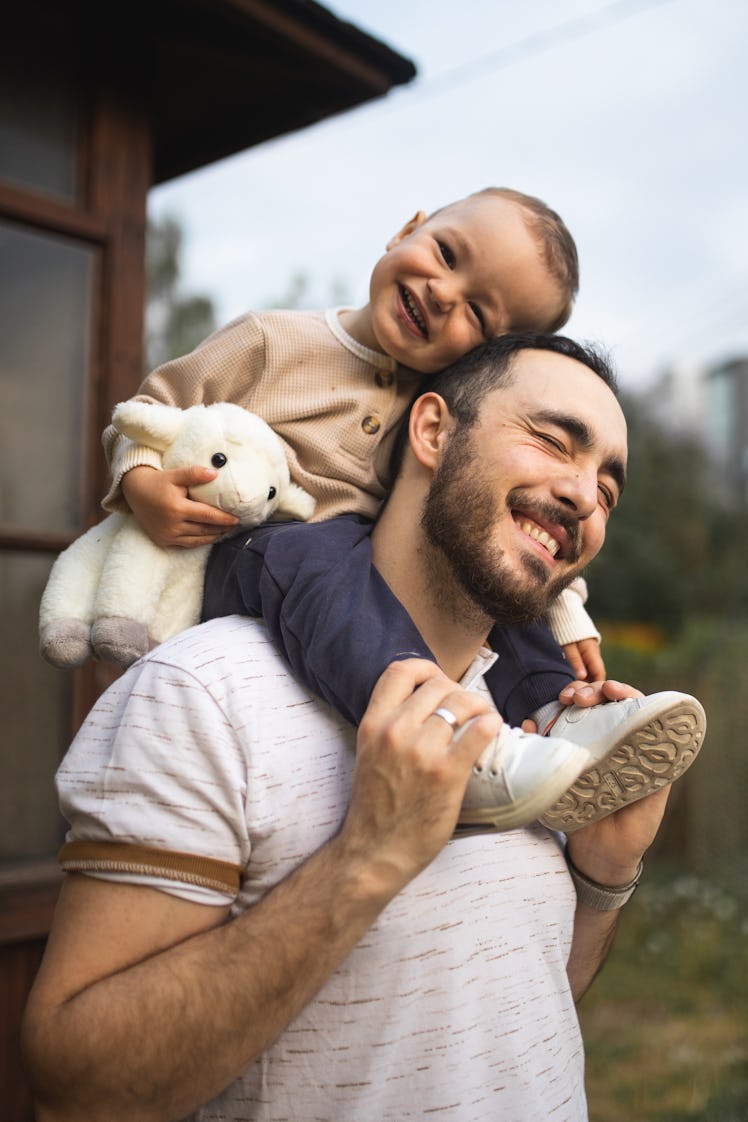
[{"x": 601, "y": 897}]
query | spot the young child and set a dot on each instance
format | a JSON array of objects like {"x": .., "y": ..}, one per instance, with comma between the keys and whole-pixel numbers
[{"x": 334, "y": 386}]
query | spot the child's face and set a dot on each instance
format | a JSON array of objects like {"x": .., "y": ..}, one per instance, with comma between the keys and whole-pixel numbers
[{"x": 449, "y": 282}]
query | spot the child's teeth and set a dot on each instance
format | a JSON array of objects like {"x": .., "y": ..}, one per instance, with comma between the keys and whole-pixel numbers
[{"x": 412, "y": 310}]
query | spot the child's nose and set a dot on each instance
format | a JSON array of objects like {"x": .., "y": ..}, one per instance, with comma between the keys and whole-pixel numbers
[{"x": 442, "y": 292}]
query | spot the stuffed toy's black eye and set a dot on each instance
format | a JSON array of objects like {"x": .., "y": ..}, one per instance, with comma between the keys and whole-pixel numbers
[
  {"x": 272, "y": 493},
  {"x": 218, "y": 460}
]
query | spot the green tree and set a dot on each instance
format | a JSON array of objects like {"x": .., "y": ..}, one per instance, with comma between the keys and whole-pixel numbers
[
  {"x": 677, "y": 544},
  {"x": 300, "y": 294},
  {"x": 175, "y": 322}
]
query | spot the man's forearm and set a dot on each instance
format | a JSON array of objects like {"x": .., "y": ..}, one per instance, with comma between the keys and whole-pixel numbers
[
  {"x": 594, "y": 935},
  {"x": 160, "y": 1037}
]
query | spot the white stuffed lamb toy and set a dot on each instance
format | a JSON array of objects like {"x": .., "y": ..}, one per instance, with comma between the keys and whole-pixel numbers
[{"x": 116, "y": 595}]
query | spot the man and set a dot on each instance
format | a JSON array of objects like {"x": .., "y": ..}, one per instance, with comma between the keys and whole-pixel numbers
[{"x": 273, "y": 926}]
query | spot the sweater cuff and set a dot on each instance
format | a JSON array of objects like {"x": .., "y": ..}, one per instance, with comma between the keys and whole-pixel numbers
[
  {"x": 127, "y": 455},
  {"x": 569, "y": 620}
]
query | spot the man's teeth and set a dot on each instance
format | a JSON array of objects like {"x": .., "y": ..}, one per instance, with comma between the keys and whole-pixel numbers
[
  {"x": 541, "y": 536},
  {"x": 413, "y": 312}
]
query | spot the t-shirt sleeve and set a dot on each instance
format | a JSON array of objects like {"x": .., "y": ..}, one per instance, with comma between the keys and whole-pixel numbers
[{"x": 154, "y": 787}]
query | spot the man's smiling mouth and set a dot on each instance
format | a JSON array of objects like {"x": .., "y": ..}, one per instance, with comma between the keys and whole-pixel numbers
[
  {"x": 413, "y": 312},
  {"x": 539, "y": 535}
]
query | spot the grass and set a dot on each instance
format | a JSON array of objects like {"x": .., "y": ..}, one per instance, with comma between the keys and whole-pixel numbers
[{"x": 666, "y": 1023}]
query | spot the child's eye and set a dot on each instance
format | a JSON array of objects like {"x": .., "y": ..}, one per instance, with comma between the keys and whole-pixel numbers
[
  {"x": 447, "y": 254},
  {"x": 475, "y": 309}
]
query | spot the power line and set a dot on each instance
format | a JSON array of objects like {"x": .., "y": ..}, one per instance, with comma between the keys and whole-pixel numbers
[
  {"x": 725, "y": 311},
  {"x": 536, "y": 43}
]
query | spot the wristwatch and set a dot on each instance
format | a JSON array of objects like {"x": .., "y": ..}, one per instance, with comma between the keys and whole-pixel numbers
[{"x": 601, "y": 897}]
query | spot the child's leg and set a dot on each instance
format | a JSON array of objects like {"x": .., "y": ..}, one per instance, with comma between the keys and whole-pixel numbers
[
  {"x": 531, "y": 670},
  {"x": 328, "y": 610}
]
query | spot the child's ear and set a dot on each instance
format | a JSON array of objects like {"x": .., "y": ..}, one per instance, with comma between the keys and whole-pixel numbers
[{"x": 417, "y": 220}]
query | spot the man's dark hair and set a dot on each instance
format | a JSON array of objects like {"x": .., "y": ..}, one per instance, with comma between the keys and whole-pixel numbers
[{"x": 465, "y": 383}]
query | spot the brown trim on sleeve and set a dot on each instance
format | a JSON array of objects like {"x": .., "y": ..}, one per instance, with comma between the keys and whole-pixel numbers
[{"x": 124, "y": 857}]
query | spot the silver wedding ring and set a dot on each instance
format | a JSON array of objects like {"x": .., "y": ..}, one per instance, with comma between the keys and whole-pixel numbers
[{"x": 446, "y": 715}]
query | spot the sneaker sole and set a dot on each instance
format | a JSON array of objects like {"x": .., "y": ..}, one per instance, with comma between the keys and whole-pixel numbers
[
  {"x": 643, "y": 761},
  {"x": 524, "y": 811}
]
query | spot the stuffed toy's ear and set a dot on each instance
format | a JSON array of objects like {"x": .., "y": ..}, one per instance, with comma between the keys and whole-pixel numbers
[
  {"x": 150, "y": 423},
  {"x": 296, "y": 503}
]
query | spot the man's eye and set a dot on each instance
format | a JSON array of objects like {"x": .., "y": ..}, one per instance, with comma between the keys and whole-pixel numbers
[
  {"x": 554, "y": 443},
  {"x": 608, "y": 497},
  {"x": 447, "y": 254}
]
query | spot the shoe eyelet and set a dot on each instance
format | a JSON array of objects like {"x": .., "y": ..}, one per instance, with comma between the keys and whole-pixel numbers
[
  {"x": 477, "y": 769},
  {"x": 493, "y": 773}
]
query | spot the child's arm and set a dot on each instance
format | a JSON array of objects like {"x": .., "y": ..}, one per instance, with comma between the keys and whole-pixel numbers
[
  {"x": 161, "y": 503},
  {"x": 327, "y": 608},
  {"x": 573, "y": 628},
  {"x": 225, "y": 367}
]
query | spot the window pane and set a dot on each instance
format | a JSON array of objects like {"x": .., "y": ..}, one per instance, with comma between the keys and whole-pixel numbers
[
  {"x": 45, "y": 298},
  {"x": 35, "y": 704},
  {"x": 38, "y": 111}
]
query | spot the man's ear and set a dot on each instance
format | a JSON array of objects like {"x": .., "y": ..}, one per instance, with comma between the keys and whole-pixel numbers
[
  {"x": 417, "y": 220},
  {"x": 429, "y": 428}
]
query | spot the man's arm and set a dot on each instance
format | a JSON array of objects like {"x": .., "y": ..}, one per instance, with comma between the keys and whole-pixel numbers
[
  {"x": 608, "y": 852},
  {"x": 148, "y": 1006}
]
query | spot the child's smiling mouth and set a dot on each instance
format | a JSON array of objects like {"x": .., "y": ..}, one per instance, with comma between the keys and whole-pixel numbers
[{"x": 413, "y": 312}]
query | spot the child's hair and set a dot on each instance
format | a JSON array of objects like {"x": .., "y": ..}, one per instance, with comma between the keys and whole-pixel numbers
[{"x": 554, "y": 240}]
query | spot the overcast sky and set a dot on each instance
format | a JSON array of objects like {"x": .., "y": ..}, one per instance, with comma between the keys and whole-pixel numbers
[{"x": 629, "y": 117}]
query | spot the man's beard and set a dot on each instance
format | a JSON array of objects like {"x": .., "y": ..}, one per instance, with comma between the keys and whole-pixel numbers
[{"x": 459, "y": 519}]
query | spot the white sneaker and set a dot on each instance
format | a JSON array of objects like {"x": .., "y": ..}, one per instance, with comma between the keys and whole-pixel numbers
[
  {"x": 518, "y": 776},
  {"x": 637, "y": 746}
]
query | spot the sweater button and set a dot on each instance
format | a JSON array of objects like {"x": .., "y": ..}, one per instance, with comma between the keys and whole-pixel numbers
[
  {"x": 384, "y": 378},
  {"x": 371, "y": 424}
]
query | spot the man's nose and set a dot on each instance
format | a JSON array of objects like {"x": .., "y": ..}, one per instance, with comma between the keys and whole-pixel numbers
[{"x": 576, "y": 489}]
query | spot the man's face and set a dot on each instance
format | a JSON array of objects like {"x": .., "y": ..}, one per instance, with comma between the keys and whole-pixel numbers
[
  {"x": 467, "y": 274},
  {"x": 519, "y": 503}
]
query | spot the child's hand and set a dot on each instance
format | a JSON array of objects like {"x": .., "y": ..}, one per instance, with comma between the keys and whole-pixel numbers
[
  {"x": 596, "y": 693},
  {"x": 167, "y": 514},
  {"x": 585, "y": 660}
]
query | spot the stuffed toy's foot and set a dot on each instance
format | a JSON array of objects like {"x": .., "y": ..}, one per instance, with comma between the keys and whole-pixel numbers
[
  {"x": 120, "y": 640},
  {"x": 66, "y": 643}
]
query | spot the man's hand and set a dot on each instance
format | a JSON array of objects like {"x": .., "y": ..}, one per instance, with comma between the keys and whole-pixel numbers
[
  {"x": 610, "y": 851},
  {"x": 585, "y": 660},
  {"x": 411, "y": 769},
  {"x": 160, "y": 501}
]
